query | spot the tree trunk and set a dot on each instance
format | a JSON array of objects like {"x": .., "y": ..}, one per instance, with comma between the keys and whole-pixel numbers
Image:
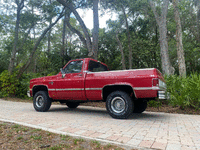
[
  {"x": 180, "y": 51},
  {"x": 122, "y": 52},
  {"x": 161, "y": 21},
  {"x": 198, "y": 21},
  {"x": 70, "y": 6},
  {"x": 49, "y": 39},
  {"x": 74, "y": 30},
  {"x": 20, "y": 6},
  {"x": 49, "y": 36},
  {"x": 129, "y": 39},
  {"x": 25, "y": 37},
  {"x": 166, "y": 67},
  {"x": 34, "y": 58},
  {"x": 95, "y": 29},
  {"x": 37, "y": 44},
  {"x": 63, "y": 37}
]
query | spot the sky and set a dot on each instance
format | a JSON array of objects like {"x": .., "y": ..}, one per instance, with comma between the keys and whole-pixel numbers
[{"x": 87, "y": 16}]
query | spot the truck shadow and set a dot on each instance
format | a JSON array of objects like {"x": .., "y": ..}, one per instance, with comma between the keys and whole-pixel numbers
[
  {"x": 148, "y": 116},
  {"x": 101, "y": 112}
]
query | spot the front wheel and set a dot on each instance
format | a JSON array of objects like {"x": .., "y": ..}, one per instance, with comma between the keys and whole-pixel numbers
[
  {"x": 41, "y": 101},
  {"x": 119, "y": 105}
]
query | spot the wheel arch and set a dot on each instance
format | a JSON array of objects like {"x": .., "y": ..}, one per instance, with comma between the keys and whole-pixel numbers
[
  {"x": 107, "y": 89},
  {"x": 37, "y": 88}
]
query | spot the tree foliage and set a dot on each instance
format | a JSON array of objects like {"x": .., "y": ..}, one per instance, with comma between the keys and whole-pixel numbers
[{"x": 40, "y": 52}]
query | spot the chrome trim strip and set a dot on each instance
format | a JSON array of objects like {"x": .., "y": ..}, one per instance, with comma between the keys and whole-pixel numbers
[
  {"x": 70, "y": 89},
  {"x": 93, "y": 88},
  {"x": 75, "y": 89},
  {"x": 121, "y": 70},
  {"x": 51, "y": 89},
  {"x": 148, "y": 88}
]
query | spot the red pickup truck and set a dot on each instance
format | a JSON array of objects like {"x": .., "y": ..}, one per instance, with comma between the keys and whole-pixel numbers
[{"x": 84, "y": 80}]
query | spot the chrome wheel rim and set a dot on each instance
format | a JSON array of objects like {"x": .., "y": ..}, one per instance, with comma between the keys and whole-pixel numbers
[
  {"x": 39, "y": 101},
  {"x": 118, "y": 104}
]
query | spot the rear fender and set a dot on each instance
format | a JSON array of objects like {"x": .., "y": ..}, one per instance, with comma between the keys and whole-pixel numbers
[{"x": 117, "y": 86}]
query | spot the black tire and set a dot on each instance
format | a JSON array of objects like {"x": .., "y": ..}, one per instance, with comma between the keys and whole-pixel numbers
[
  {"x": 41, "y": 101},
  {"x": 72, "y": 104},
  {"x": 139, "y": 106},
  {"x": 119, "y": 105}
]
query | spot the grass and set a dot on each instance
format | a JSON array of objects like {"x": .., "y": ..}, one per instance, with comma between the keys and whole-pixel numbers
[
  {"x": 36, "y": 137},
  {"x": 64, "y": 137},
  {"x": 97, "y": 143},
  {"x": 77, "y": 140},
  {"x": 16, "y": 126},
  {"x": 21, "y": 137}
]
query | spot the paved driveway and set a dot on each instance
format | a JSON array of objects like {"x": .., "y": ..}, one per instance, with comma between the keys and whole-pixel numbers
[{"x": 147, "y": 130}]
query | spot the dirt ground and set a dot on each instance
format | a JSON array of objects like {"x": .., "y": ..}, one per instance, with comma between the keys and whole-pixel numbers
[{"x": 14, "y": 136}]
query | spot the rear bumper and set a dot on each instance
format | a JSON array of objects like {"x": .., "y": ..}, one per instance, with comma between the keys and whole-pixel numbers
[{"x": 163, "y": 95}]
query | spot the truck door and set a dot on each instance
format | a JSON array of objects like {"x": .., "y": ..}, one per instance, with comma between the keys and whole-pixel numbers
[{"x": 71, "y": 87}]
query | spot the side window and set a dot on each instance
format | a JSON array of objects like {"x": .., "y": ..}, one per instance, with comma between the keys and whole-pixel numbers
[
  {"x": 96, "y": 67},
  {"x": 74, "y": 67}
]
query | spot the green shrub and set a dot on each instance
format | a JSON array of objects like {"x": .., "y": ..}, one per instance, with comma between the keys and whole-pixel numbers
[
  {"x": 153, "y": 103},
  {"x": 11, "y": 86},
  {"x": 8, "y": 84},
  {"x": 184, "y": 92},
  {"x": 24, "y": 82}
]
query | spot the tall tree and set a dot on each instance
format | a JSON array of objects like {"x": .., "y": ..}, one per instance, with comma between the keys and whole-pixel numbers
[
  {"x": 122, "y": 52},
  {"x": 64, "y": 37},
  {"x": 20, "y": 6},
  {"x": 49, "y": 33},
  {"x": 74, "y": 30},
  {"x": 180, "y": 51},
  {"x": 95, "y": 28},
  {"x": 129, "y": 38},
  {"x": 26, "y": 65},
  {"x": 71, "y": 7},
  {"x": 161, "y": 21},
  {"x": 197, "y": 3},
  {"x": 91, "y": 46}
]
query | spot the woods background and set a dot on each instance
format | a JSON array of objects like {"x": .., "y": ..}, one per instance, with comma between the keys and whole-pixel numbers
[{"x": 40, "y": 37}]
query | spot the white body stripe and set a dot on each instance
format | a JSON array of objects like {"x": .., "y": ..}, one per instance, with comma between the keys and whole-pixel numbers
[
  {"x": 81, "y": 89},
  {"x": 70, "y": 89},
  {"x": 148, "y": 88},
  {"x": 93, "y": 89}
]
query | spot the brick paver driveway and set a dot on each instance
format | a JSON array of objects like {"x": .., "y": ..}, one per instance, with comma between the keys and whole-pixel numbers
[{"x": 147, "y": 130}]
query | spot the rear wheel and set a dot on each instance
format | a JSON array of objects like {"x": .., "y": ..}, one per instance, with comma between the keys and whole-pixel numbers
[
  {"x": 72, "y": 104},
  {"x": 41, "y": 101},
  {"x": 119, "y": 105},
  {"x": 139, "y": 106}
]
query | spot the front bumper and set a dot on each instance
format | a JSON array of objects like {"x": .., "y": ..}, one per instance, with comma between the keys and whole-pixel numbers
[
  {"x": 28, "y": 94},
  {"x": 163, "y": 95}
]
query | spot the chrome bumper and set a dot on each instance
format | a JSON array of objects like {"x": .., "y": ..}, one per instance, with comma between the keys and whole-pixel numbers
[
  {"x": 163, "y": 95},
  {"x": 28, "y": 94}
]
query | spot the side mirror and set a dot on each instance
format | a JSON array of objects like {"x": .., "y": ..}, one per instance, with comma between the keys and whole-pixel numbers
[{"x": 62, "y": 72}]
